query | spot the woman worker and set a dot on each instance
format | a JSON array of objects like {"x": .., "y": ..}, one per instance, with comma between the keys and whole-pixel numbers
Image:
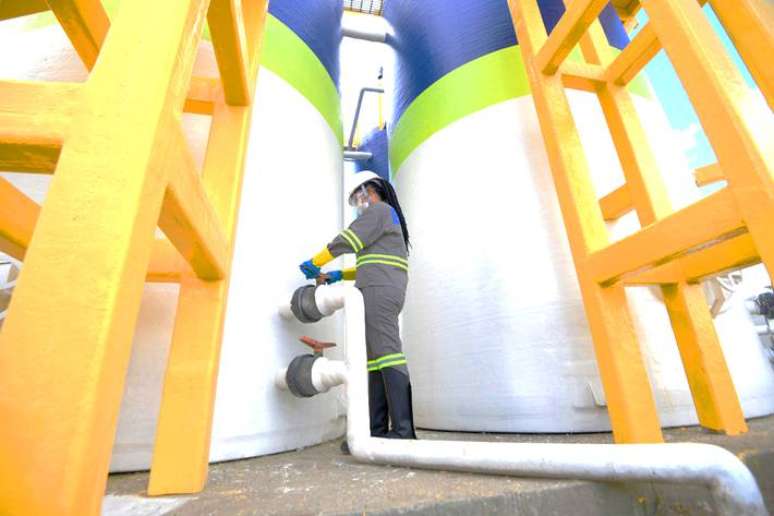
[{"x": 380, "y": 239}]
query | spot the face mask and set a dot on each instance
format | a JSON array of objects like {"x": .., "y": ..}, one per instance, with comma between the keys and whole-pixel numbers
[{"x": 362, "y": 200}]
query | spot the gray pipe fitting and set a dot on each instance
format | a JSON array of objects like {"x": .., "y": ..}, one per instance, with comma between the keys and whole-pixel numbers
[
  {"x": 304, "y": 306},
  {"x": 299, "y": 376}
]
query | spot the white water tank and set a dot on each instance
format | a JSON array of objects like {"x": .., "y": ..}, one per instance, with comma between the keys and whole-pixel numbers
[{"x": 494, "y": 327}]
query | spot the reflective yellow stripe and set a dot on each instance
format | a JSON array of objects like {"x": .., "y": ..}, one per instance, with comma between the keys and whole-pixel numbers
[
  {"x": 386, "y": 361},
  {"x": 390, "y": 364},
  {"x": 386, "y": 357},
  {"x": 384, "y": 262},
  {"x": 383, "y": 256},
  {"x": 349, "y": 240},
  {"x": 355, "y": 238}
]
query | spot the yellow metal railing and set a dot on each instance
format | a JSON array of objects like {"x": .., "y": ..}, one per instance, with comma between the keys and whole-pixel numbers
[
  {"x": 122, "y": 168},
  {"x": 728, "y": 229}
]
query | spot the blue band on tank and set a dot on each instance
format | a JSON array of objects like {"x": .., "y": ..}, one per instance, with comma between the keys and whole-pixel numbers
[
  {"x": 318, "y": 24},
  {"x": 434, "y": 37},
  {"x": 376, "y": 143}
]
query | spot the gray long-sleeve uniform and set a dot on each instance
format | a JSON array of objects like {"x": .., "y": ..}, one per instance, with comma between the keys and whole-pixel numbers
[{"x": 376, "y": 238}]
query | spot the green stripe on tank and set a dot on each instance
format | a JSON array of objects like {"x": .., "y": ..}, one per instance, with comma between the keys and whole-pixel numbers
[
  {"x": 476, "y": 85},
  {"x": 285, "y": 54},
  {"x": 490, "y": 79}
]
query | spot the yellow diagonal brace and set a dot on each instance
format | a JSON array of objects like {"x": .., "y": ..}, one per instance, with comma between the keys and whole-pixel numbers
[
  {"x": 717, "y": 403},
  {"x": 228, "y": 40},
  {"x": 18, "y": 215},
  {"x": 630, "y": 400},
  {"x": 740, "y": 128},
  {"x": 750, "y": 24},
  {"x": 714, "y": 218},
  {"x": 15, "y": 8},
  {"x": 187, "y": 219},
  {"x": 86, "y": 24},
  {"x": 63, "y": 374},
  {"x": 634, "y": 57},
  {"x": 567, "y": 33},
  {"x": 180, "y": 458}
]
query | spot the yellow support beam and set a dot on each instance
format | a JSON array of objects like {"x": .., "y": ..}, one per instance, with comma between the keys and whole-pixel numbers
[
  {"x": 582, "y": 76},
  {"x": 634, "y": 57},
  {"x": 717, "y": 403},
  {"x": 34, "y": 121},
  {"x": 567, "y": 33},
  {"x": 738, "y": 126},
  {"x": 631, "y": 406},
  {"x": 709, "y": 221},
  {"x": 18, "y": 215},
  {"x": 732, "y": 254},
  {"x": 750, "y": 25},
  {"x": 16, "y": 8},
  {"x": 714, "y": 395},
  {"x": 166, "y": 265},
  {"x": 86, "y": 24},
  {"x": 228, "y": 40},
  {"x": 63, "y": 374},
  {"x": 708, "y": 175},
  {"x": 616, "y": 204},
  {"x": 201, "y": 96},
  {"x": 187, "y": 218},
  {"x": 180, "y": 457}
]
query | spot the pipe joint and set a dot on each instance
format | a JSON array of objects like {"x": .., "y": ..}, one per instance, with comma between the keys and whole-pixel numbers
[{"x": 304, "y": 306}]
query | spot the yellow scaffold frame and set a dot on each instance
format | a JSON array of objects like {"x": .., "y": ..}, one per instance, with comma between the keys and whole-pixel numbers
[
  {"x": 122, "y": 168},
  {"x": 675, "y": 250}
]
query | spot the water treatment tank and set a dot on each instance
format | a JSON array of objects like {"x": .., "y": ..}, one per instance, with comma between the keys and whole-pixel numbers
[
  {"x": 494, "y": 326},
  {"x": 289, "y": 208}
]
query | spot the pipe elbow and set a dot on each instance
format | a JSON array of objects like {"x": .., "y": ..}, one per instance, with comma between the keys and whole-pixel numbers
[{"x": 732, "y": 484}]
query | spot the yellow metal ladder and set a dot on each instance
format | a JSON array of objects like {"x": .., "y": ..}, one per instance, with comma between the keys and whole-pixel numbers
[
  {"x": 122, "y": 168},
  {"x": 675, "y": 250}
]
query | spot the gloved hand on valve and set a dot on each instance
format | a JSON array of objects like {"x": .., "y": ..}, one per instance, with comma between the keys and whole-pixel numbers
[
  {"x": 309, "y": 269},
  {"x": 333, "y": 277}
]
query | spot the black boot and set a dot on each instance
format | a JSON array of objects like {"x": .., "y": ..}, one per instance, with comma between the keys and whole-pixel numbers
[
  {"x": 398, "y": 389},
  {"x": 377, "y": 405}
]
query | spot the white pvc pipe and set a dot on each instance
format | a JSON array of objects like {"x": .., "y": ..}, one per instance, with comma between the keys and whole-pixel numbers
[
  {"x": 377, "y": 35},
  {"x": 732, "y": 485}
]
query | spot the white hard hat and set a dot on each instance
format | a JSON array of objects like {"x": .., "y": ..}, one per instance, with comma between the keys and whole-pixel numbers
[{"x": 357, "y": 180}]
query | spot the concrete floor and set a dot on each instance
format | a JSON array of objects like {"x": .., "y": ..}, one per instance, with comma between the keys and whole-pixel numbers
[{"x": 319, "y": 480}]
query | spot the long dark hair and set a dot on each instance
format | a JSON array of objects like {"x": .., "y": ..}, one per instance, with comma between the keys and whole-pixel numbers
[{"x": 387, "y": 194}]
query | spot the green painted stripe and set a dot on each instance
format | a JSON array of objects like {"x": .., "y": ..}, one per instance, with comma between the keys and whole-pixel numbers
[
  {"x": 285, "y": 54},
  {"x": 490, "y": 79},
  {"x": 476, "y": 85}
]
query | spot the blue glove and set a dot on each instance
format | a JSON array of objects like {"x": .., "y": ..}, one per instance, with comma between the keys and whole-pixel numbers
[
  {"x": 309, "y": 270},
  {"x": 334, "y": 276}
]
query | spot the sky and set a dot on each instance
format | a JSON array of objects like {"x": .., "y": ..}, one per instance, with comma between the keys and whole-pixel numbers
[{"x": 675, "y": 101}]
